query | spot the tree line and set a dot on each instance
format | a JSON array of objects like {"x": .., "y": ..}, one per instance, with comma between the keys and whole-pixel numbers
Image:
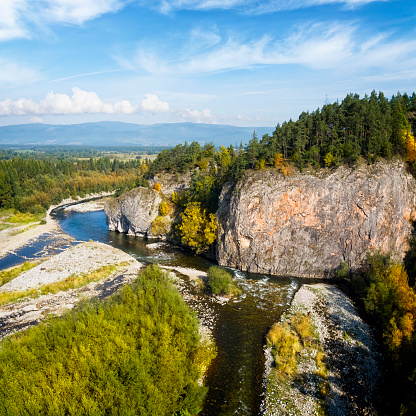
[{"x": 29, "y": 184}]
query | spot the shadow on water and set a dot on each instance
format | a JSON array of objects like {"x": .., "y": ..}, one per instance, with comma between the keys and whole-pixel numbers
[{"x": 235, "y": 377}]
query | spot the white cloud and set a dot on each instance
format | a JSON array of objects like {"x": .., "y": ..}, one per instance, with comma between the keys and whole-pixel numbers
[
  {"x": 80, "y": 11},
  {"x": 80, "y": 102},
  {"x": 19, "y": 17},
  {"x": 152, "y": 103},
  {"x": 11, "y": 25},
  {"x": 85, "y": 102},
  {"x": 196, "y": 116},
  {"x": 318, "y": 46},
  {"x": 35, "y": 119}
]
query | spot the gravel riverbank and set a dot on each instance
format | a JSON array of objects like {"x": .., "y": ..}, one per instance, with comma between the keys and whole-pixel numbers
[
  {"x": 83, "y": 258},
  {"x": 352, "y": 360}
]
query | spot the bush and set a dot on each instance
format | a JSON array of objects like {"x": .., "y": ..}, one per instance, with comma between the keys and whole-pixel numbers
[
  {"x": 133, "y": 354},
  {"x": 303, "y": 326},
  {"x": 220, "y": 282},
  {"x": 164, "y": 209},
  {"x": 160, "y": 226},
  {"x": 286, "y": 345}
]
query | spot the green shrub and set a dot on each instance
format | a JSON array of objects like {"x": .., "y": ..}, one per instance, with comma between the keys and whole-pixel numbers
[
  {"x": 133, "y": 354},
  {"x": 220, "y": 282},
  {"x": 20, "y": 217}
]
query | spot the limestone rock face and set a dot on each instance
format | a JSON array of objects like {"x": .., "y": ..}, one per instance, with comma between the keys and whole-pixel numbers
[
  {"x": 133, "y": 212},
  {"x": 307, "y": 225}
]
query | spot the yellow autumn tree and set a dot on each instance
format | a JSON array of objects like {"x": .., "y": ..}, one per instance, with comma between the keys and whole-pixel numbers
[
  {"x": 278, "y": 160},
  {"x": 392, "y": 298},
  {"x": 224, "y": 157},
  {"x": 329, "y": 159},
  {"x": 197, "y": 228},
  {"x": 408, "y": 139}
]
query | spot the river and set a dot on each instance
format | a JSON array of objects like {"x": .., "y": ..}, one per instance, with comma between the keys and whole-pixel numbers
[{"x": 235, "y": 376}]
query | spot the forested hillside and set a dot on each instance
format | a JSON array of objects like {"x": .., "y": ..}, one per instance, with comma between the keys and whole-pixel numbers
[
  {"x": 371, "y": 127},
  {"x": 31, "y": 184}
]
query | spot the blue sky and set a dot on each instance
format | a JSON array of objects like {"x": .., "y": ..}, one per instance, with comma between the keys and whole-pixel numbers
[{"x": 240, "y": 62}]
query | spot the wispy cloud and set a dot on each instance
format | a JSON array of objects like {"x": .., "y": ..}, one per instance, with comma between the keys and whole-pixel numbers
[
  {"x": 323, "y": 46},
  {"x": 80, "y": 11},
  {"x": 252, "y": 6},
  {"x": 87, "y": 74},
  {"x": 81, "y": 102},
  {"x": 11, "y": 19},
  {"x": 19, "y": 17}
]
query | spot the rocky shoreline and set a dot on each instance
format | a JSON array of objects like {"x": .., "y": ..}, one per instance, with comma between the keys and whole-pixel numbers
[{"x": 351, "y": 357}]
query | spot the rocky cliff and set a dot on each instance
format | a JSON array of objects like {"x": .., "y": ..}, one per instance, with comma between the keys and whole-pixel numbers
[
  {"x": 134, "y": 211},
  {"x": 307, "y": 225}
]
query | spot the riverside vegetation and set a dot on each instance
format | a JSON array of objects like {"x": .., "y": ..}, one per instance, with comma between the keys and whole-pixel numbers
[
  {"x": 356, "y": 130},
  {"x": 138, "y": 352},
  {"x": 220, "y": 282}
]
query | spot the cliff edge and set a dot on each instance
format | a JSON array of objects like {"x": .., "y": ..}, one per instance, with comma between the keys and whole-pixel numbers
[{"x": 307, "y": 225}]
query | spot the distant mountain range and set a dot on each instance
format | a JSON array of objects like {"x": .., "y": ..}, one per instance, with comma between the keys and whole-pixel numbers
[{"x": 114, "y": 133}]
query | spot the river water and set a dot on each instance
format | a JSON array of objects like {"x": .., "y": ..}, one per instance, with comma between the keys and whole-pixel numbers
[{"x": 235, "y": 376}]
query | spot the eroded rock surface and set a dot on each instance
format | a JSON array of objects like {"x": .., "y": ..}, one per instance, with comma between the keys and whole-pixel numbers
[
  {"x": 133, "y": 212},
  {"x": 307, "y": 225}
]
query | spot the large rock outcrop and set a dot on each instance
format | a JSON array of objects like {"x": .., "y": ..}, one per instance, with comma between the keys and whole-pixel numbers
[
  {"x": 307, "y": 225},
  {"x": 133, "y": 212}
]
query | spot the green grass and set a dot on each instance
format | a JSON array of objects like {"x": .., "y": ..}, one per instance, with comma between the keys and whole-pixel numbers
[
  {"x": 136, "y": 353},
  {"x": 72, "y": 282},
  {"x": 3, "y": 226},
  {"x": 22, "y": 218}
]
